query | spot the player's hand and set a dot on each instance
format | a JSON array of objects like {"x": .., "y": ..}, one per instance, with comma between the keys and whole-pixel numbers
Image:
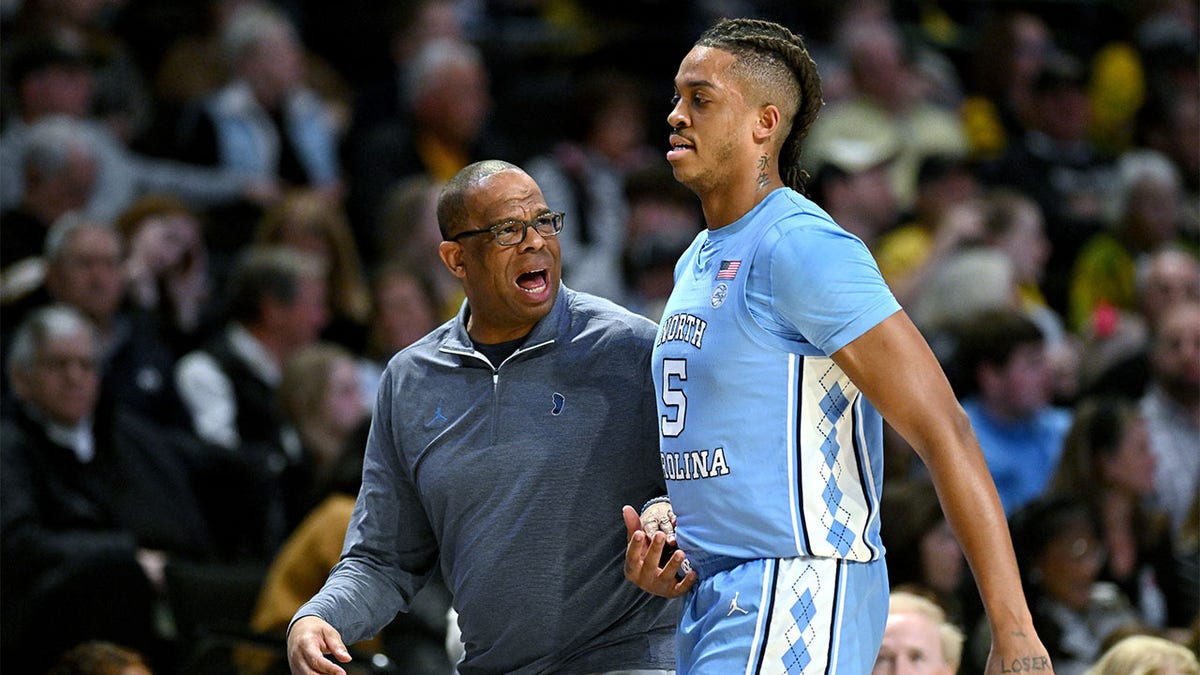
[
  {"x": 644, "y": 564},
  {"x": 309, "y": 640},
  {"x": 1018, "y": 652}
]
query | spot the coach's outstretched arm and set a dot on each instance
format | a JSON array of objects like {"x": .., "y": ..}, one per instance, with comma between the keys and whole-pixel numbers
[{"x": 921, "y": 406}]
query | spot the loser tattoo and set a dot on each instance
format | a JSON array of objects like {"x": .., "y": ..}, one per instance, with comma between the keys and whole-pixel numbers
[{"x": 1025, "y": 664}]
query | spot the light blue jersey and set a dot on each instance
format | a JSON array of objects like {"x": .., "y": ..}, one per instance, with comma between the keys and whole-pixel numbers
[{"x": 768, "y": 449}]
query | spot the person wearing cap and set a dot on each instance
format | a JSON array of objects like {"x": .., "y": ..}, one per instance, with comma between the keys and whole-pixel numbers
[
  {"x": 888, "y": 96},
  {"x": 851, "y": 180}
]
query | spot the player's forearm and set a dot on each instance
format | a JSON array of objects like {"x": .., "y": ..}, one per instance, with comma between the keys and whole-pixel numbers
[{"x": 972, "y": 508}]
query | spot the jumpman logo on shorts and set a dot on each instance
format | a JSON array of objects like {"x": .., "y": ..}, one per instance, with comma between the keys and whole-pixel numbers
[{"x": 733, "y": 606}]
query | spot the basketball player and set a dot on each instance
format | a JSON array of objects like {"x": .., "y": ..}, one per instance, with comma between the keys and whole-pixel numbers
[{"x": 778, "y": 352}]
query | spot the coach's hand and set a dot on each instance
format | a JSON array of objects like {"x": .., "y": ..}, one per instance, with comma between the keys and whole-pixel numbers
[
  {"x": 644, "y": 564},
  {"x": 309, "y": 640}
]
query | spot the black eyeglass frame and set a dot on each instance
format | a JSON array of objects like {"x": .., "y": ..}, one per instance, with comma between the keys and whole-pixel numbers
[{"x": 556, "y": 217}]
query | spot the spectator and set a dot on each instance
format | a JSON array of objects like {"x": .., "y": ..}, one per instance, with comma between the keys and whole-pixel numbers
[
  {"x": 447, "y": 105},
  {"x": 60, "y": 172},
  {"x": 1172, "y": 410},
  {"x": 404, "y": 309},
  {"x": 1012, "y": 48},
  {"x": 193, "y": 66},
  {"x": 1146, "y": 655},
  {"x": 84, "y": 268},
  {"x": 93, "y": 502},
  {"x": 1013, "y": 225},
  {"x": 1003, "y": 354},
  {"x": 230, "y": 387},
  {"x": 972, "y": 280},
  {"x": 96, "y": 657},
  {"x": 52, "y": 81},
  {"x": 945, "y": 218},
  {"x": 1146, "y": 214},
  {"x": 265, "y": 123},
  {"x": 1107, "y": 464},
  {"x": 1116, "y": 343},
  {"x": 408, "y": 230},
  {"x": 664, "y": 218},
  {"x": 887, "y": 96},
  {"x": 850, "y": 180},
  {"x": 310, "y": 222},
  {"x": 322, "y": 400},
  {"x": 1055, "y": 164},
  {"x": 918, "y": 639},
  {"x": 1170, "y": 274},
  {"x": 411, "y": 25},
  {"x": 166, "y": 267},
  {"x": 121, "y": 100},
  {"x": 922, "y": 551},
  {"x": 1169, "y": 120},
  {"x": 584, "y": 176},
  {"x": 1060, "y": 558}
]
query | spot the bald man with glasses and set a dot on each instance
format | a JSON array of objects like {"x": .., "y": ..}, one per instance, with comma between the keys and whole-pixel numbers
[{"x": 501, "y": 445}]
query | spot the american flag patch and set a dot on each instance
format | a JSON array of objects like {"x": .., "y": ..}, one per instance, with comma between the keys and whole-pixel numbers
[{"x": 728, "y": 269}]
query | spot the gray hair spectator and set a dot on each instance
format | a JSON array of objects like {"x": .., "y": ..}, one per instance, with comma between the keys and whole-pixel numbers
[
  {"x": 83, "y": 269},
  {"x": 97, "y": 499},
  {"x": 55, "y": 145},
  {"x": 1169, "y": 275},
  {"x": 918, "y": 640},
  {"x": 60, "y": 167},
  {"x": 1145, "y": 173},
  {"x": 73, "y": 403},
  {"x": 251, "y": 26}
]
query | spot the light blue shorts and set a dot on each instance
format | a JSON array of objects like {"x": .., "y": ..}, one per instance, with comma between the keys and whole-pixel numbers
[{"x": 794, "y": 615}]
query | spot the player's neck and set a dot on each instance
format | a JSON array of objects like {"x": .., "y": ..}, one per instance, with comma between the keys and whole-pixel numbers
[{"x": 722, "y": 207}]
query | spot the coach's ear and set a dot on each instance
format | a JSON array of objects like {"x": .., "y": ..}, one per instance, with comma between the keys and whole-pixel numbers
[{"x": 451, "y": 253}]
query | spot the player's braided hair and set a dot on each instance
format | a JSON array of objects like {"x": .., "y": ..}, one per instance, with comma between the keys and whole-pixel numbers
[{"x": 777, "y": 46}]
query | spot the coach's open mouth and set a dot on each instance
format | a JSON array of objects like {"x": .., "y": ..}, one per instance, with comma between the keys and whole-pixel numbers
[{"x": 535, "y": 281}]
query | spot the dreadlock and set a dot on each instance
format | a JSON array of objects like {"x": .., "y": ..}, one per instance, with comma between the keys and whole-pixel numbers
[{"x": 771, "y": 52}]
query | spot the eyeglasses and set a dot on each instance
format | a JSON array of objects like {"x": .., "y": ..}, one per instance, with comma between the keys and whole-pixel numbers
[{"x": 512, "y": 232}]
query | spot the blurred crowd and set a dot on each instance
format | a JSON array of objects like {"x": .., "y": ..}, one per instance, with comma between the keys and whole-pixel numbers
[{"x": 218, "y": 225}]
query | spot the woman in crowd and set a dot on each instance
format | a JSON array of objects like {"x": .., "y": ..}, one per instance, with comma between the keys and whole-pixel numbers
[
  {"x": 311, "y": 222},
  {"x": 1061, "y": 556},
  {"x": 1108, "y": 465}
]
